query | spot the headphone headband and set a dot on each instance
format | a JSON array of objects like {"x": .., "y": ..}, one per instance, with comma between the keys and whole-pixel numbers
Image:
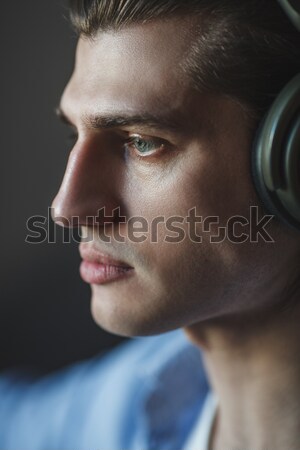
[{"x": 292, "y": 9}]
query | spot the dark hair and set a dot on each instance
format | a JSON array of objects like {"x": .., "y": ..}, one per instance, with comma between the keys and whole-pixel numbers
[{"x": 245, "y": 49}]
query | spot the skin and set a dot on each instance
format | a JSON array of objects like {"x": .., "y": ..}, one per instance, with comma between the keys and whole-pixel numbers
[{"x": 230, "y": 298}]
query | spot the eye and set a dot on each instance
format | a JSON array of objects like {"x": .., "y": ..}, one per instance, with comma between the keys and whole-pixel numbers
[{"x": 144, "y": 146}]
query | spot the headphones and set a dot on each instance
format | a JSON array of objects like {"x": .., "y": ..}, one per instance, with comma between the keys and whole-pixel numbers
[{"x": 276, "y": 152}]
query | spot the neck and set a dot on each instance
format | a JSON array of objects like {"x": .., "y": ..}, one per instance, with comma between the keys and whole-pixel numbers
[{"x": 254, "y": 369}]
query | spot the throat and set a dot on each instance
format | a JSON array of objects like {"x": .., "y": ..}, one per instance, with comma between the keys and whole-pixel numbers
[{"x": 255, "y": 376}]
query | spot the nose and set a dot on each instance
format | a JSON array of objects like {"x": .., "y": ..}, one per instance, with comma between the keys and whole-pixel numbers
[{"x": 89, "y": 188}]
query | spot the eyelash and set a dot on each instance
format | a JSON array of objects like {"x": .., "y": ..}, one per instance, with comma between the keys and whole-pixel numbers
[{"x": 130, "y": 144}]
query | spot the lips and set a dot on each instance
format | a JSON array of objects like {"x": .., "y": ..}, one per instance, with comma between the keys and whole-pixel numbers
[{"x": 100, "y": 268}]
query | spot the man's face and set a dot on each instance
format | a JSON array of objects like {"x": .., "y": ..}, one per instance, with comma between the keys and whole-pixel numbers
[{"x": 197, "y": 156}]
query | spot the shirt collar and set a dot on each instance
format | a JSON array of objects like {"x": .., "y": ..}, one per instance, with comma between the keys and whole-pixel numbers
[{"x": 175, "y": 387}]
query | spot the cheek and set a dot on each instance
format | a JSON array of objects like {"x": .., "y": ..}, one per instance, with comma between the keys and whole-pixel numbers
[
  {"x": 201, "y": 181},
  {"x": 214, "y": 178},
  {"x": 215, "y": 186},
  {"x": 221, "y": 185}
]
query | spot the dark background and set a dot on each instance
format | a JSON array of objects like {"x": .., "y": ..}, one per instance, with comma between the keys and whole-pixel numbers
[{"x": 45, "y": 316}]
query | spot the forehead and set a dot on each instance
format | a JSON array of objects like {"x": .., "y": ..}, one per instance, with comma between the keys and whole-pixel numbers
[{"x": 135, "y": 67}]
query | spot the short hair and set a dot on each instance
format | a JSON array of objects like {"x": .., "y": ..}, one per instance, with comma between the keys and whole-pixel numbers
[{"x": 247, "y": 49}]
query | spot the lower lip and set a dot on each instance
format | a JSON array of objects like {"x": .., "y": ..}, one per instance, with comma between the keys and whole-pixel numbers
[{"x": 96, "y": 273}]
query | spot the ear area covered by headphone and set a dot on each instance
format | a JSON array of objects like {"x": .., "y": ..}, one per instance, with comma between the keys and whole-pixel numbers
[{"x": 276, "y": 156}]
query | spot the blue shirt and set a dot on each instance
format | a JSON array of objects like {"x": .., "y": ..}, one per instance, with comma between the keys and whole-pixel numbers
[{"x": 145, "y": 395}]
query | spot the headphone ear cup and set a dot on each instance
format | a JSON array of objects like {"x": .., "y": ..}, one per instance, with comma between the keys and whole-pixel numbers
[
  {"x": 263, "y": 193},
  {"x": 276, "y": 156}
]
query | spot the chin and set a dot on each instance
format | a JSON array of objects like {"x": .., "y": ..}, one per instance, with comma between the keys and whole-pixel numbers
[{"x": 128, "y": 317}]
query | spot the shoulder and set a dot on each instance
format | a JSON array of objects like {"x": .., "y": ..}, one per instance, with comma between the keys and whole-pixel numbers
[{"x": 96, "y": 402}]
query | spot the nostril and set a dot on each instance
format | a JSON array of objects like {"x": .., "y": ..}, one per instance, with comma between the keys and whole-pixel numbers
[
  {"x": 65, "y": 222},
  {"x": 58, "y": 218}
]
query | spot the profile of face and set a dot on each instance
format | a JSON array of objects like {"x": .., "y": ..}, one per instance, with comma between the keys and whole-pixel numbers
[{"x": 152, "y": 146}]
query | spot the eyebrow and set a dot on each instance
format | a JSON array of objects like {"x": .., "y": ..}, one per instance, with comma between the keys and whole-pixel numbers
[{"x": 118, "y": 120}]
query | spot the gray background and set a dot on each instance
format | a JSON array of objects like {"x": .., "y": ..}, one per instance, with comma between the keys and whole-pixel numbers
[{"x": 45, "y": 309}]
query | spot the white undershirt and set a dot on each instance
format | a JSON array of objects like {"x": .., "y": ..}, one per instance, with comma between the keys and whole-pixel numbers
[{"x": 200, "y": 436}]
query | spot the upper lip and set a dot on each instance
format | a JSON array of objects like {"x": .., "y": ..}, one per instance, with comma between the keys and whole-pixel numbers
[{"x": 96, "y": 256}]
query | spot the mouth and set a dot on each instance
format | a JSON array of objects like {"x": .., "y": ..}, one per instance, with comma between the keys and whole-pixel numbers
[{"x": 100, "y": 268}]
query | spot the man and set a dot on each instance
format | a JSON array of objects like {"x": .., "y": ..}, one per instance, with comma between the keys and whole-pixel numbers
[{"x": 165, "y": 101}]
